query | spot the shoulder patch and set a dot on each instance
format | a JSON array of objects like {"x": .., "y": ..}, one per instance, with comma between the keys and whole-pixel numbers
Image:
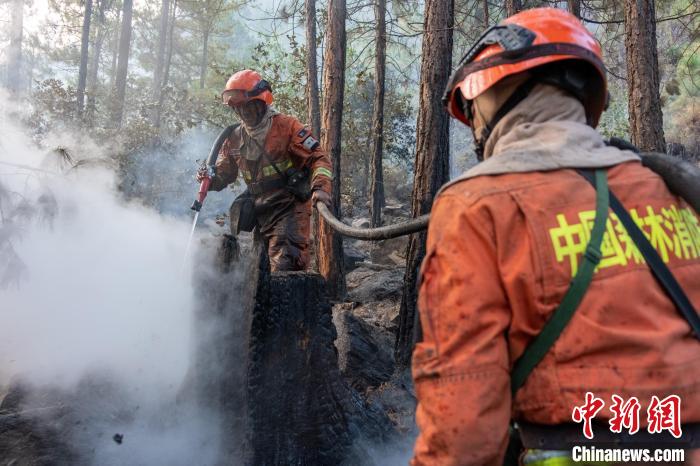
[{"x": 310, "y": 143}]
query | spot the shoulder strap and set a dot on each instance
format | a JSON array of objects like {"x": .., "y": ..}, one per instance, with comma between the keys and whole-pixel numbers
[
  {"x": 661, "y": 272},
  {"x": 574, "y": 295},
  {"x": 562, "y": 315}
]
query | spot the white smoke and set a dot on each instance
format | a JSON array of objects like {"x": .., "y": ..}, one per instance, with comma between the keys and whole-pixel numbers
[{"x": 93, "y": 285}]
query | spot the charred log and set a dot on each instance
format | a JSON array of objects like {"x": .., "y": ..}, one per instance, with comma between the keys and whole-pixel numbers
[{"x": 281, "y": 383}]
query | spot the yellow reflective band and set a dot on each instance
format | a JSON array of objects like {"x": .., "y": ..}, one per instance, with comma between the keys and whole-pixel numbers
[
  {"x": 269, "y": 170},
  {"x": 673, "y": 231},
  {"x": 322, "y": 171}
]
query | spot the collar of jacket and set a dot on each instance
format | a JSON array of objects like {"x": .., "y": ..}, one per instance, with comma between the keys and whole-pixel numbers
[{"x": 546, "y": 131}]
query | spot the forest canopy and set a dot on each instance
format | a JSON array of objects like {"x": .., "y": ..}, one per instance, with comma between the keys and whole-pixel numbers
[{"x": 137, "y": 75}]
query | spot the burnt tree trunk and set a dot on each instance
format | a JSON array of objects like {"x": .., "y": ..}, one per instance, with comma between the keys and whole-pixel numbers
[
  {"x": 377, "y": 176},
  {"x": 513, "y": 6},
  {"x": 574, "y": 7},
  {"x": 266, "y": 361},
  {"x": 160, "y": 58},
  {"x": 313, "y": 106},
  {"x": 645, "y": 117},
  {"x": 84, "y": 54},
  {"x": 14, "y": 58},
  {"x": 330, "y": 245},
  {"x": 122, "y": 64},
  {"x": 432, "y": 155}
]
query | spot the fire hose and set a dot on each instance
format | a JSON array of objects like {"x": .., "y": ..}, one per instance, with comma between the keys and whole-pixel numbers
[
  {"x": 371, "y": 234},
  {"x": 680, "y": 176}
]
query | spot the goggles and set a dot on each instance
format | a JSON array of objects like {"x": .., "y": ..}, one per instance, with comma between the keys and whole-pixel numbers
[
  {"x": 511, "y": 37},
  {"x": 233, "y": 97}
]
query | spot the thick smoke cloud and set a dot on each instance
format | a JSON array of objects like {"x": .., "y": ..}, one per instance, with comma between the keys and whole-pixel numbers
[{"x": 93, "y": 285}]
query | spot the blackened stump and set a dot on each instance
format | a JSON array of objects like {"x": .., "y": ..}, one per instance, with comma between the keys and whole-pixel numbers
[{"x": 295, "y": 407}]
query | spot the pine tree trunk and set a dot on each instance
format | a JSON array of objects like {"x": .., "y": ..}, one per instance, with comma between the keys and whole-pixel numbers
[
  {"x": 376, "y": 175},
  {"x": 115, "y": 52},
  {"x": 365, "y": 181},
  {"x": 166, "y": 67},
  {"x": 330, "y": 245},
  {"x": 513, "y": 6},
  {"x": 312, "y": 101},
  {"x": 94, "y": 66},
  {"x": 84, "y": 49},
  {"x": 160, "y": 56},
  {"x": 313, "y": 106},
  {"x": 574, "y": 7},
  {"x": 123, "y": 63},
  {"x": 14, "y": 58},
  {"x": 485, "y": 5},
  {"x": 645, "y": 116},
  {"x": 205, "y": 58},
  {"x": 432, "y": 155}
]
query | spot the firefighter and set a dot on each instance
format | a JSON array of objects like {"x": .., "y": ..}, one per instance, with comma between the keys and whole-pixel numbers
[
  {"x": 508, "y": 239},
  {"x": 277, "y": 156}
]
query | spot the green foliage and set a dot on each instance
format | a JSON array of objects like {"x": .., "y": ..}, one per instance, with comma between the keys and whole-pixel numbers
[
  {"x": 52, "y": 55},
  {"x": 615, "y": 120},
  {"x": 285, "y": 70}
]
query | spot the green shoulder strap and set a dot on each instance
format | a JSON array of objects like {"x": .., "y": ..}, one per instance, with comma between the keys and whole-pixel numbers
[{"x": 579, "y": 284}]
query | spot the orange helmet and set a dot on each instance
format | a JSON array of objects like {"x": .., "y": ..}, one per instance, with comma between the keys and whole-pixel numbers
[
  {"x": 244, "y": 86},
  {"x": 522, "y": 42}
]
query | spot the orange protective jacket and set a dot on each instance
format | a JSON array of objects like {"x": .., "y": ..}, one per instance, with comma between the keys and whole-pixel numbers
[
  {"x": 285, "y": 146},
  {"x": 502, "y": 247}
]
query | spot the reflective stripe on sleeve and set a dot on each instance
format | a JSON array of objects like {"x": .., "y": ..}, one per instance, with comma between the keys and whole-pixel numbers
[{"x": 322, "y": 171}]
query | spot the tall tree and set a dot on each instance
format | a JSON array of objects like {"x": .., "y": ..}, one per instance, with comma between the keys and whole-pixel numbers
[
  {"x": 115, "y": 50},
  {"x": 314, "y": 116},
  {"x": 330, "y": 246},
  {"x": 645, "y": 116},
  {"x": 206, "y": 15},
  {"x": 168, "y": 61},
  {"x": 574, "y": 7},
  {"x": 123, "y": 63},
  {"x": 485, "y": 7},
  {"x": 14, "y": 59},
  {"x": 377, "y": 176},
  {"x": 83, "y": 69},
  {"x": 94, "y": 66},
  {"x": 513, "y": 6},
  {"x": 160, "y": 57},
  {"x": 432, "y": 167}
]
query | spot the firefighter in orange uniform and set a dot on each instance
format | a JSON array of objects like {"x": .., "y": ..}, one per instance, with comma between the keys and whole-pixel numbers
[
  {"x": 272, "y": 151},
  {"x": 507, "y": 239}
]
